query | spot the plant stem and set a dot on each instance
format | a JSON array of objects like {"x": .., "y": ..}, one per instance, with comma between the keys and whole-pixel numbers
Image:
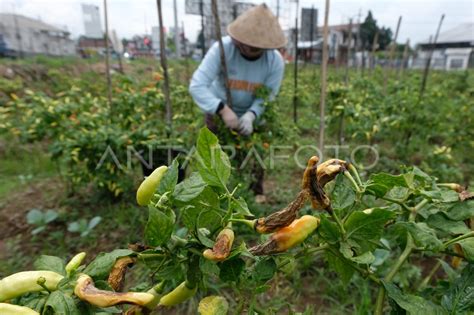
[
  {"x": 427, "y": 279},
  {"x": 339, "y": 223},
  {"x": 352, "y": 180},
  {"x": 459, "y": 238},
  {"x": 353, "y": 169}
]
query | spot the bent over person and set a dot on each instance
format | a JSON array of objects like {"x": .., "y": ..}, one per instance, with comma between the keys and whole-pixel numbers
[{"x": 252, "y": 62}]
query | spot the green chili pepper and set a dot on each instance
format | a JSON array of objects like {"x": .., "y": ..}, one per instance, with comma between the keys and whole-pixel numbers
[
  {"x": 11, "y": 309},
  {"x": 75, "y": 262},
  {"x": 27, "y": 281},
  {"x": 180, "y": 294},
  {"x": 149, "y": 185}
]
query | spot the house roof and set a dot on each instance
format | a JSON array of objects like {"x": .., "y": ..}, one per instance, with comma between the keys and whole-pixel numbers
[
  {"x": 8, "y": 20},
  {"x": 461, "y": 33}
]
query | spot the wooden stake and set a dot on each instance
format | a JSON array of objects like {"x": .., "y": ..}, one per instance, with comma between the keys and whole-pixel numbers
[
  {"x": 215, "y": 12},
  {"x": 374, "y": 48},
  {"x": 428, "y": 62},
  {"x": 107, "y": 56},
  {"x": 295, "y": 73},
  {"x": 164, "y": 66},
  {"x": 394, "y": 43},
  {"x": 323, "y": 79},
  {"x": 348, "y": 52},
  {"x": 404, "y": 64}
]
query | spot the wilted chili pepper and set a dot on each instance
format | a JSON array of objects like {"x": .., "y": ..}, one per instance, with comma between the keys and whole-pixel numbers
[
  {"x": 287, "y": 237},
  {"x": 117, "y": 274},
  {"x": 27, "y": 281},
  {"x": 86, "y": 291},
  {"x": 149, "y": 185},
  {"x": 282, "y": 218},
  {"x": 10, "y": 309},
  {"x": 329, "y": 169},
  {"x": 180, "y": 294},
  {"x": 75, "y": 262},
  {"x": 222, "y": 246}
]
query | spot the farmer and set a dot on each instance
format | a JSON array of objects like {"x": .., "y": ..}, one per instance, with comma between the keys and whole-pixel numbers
[{"x": 252, "y": 61}]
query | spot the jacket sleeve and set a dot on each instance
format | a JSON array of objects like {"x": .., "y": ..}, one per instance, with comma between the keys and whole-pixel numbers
[
  {"x": 272, "y": 81},
  {"x": 206, "y": 73}
]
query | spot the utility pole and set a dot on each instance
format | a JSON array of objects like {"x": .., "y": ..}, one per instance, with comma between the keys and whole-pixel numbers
[
  {"x": 324, "y": 64},
  {"x": 295, "y": 73},
  {"x": 176, "y": 30},
  {"x": 107, "y": 56},
  {"x": 428, "y": 62}
]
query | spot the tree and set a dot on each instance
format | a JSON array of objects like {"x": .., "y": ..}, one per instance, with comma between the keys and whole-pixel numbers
[{"x": 369, "y": 28}]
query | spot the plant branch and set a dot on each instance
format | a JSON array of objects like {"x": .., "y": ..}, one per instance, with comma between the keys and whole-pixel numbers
[{"x": 459, "y": 238}]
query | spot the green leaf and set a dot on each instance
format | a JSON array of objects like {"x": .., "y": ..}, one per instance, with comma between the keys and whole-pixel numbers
[
  {"x": 189, "y": 188},
  {"x": 35, "y": 217},
  {"x": 240, "y": 206},
  {"x": 100, "y": 267},
  {"x": 440, "y": 222},
  {"x": 93, "y": 222},
  {"x": 61, "y": 304},
  {"x": 208, "y": 267},
  {"x": 381, "y": 183},
  {"x": 213, "y": 164},
  {"x": 343, "y": 195},
  {"x": 461, "y": 210},
  {"x": 329, "y": 231},
  {"x": 440, "y": 195},
  {"x": 468, "y": 248},
  {"x": 366, "y": 227},
  {"x": 50, "y": 216},
  {"x": 203, "y": 212},
  {"x": 423, "y": 235},
  {"x": 264, "y": 270},
  {"x": 159, "y": 227},
  {"x": 460, "y": 297},
  {"x": 51, "y": 263},
  {"x": 170, "y": 179},
  {"x": 411, "y": 303},
  {"x": 342, "y": 267},
  {"x": 365, "y": 258},
  {"x": 230, "y": 270}
]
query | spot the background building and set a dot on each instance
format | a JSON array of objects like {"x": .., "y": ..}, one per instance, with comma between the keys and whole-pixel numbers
[
  {"x": 26, "y": 36},
  {"x": 453, "y": 50}
]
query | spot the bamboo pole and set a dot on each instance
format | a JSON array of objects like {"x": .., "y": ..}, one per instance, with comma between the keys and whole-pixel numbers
[
  {"x": 374, "y": 48},
  {"x": 164, "y": 66},
  {"x": 107, "y": 56},
  {"x": 215, "y": 13},
  {"x": 428, "y": 62},
  {"x": 393, "y": 45},
  {"x": 346, "y": 79},
  {"x": 404, "y": 64},
  {"x": 323, "y": 79},
  {"x": 295, "y": 68}
]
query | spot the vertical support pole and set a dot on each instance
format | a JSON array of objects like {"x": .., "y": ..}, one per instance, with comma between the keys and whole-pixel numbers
[
  {"x": 311, "y": 35},
  {"x": 203, "y": 39},
  {"x": 186, "y": 57},
  {"x": 107, "y": 56},
  {"x": 428, "y": 62},
  {"x": 164, "y": 66},
  {"x": 323, "y": 79},
  {"x": 374, "y": 48},
  {"x": 404, "y": 63},
  {"x": 349, "y": 42},
  {"x": 176, "y": 27},
  {"x": 393, "y": 45},
  {"x": 295, "y": 68},
  {"x": 215, "y": 12}
]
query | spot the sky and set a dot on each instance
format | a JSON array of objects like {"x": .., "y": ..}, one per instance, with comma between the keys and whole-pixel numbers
[{"x": 128, "y": 18}]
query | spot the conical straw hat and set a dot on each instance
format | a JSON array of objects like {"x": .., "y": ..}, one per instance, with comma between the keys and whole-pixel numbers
[{"x": 258, "y": 27}]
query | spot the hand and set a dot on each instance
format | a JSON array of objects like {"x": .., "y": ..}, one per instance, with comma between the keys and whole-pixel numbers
[
  {"x": 229, "y": 117},
  {"x": 246, "y": 123}
]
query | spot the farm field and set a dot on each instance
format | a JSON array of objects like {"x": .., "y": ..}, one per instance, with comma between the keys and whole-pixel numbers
[{"x": 389, "y": 226}]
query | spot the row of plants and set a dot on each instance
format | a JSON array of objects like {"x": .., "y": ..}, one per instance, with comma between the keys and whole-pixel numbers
[{"x": 201, "y": 240}]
